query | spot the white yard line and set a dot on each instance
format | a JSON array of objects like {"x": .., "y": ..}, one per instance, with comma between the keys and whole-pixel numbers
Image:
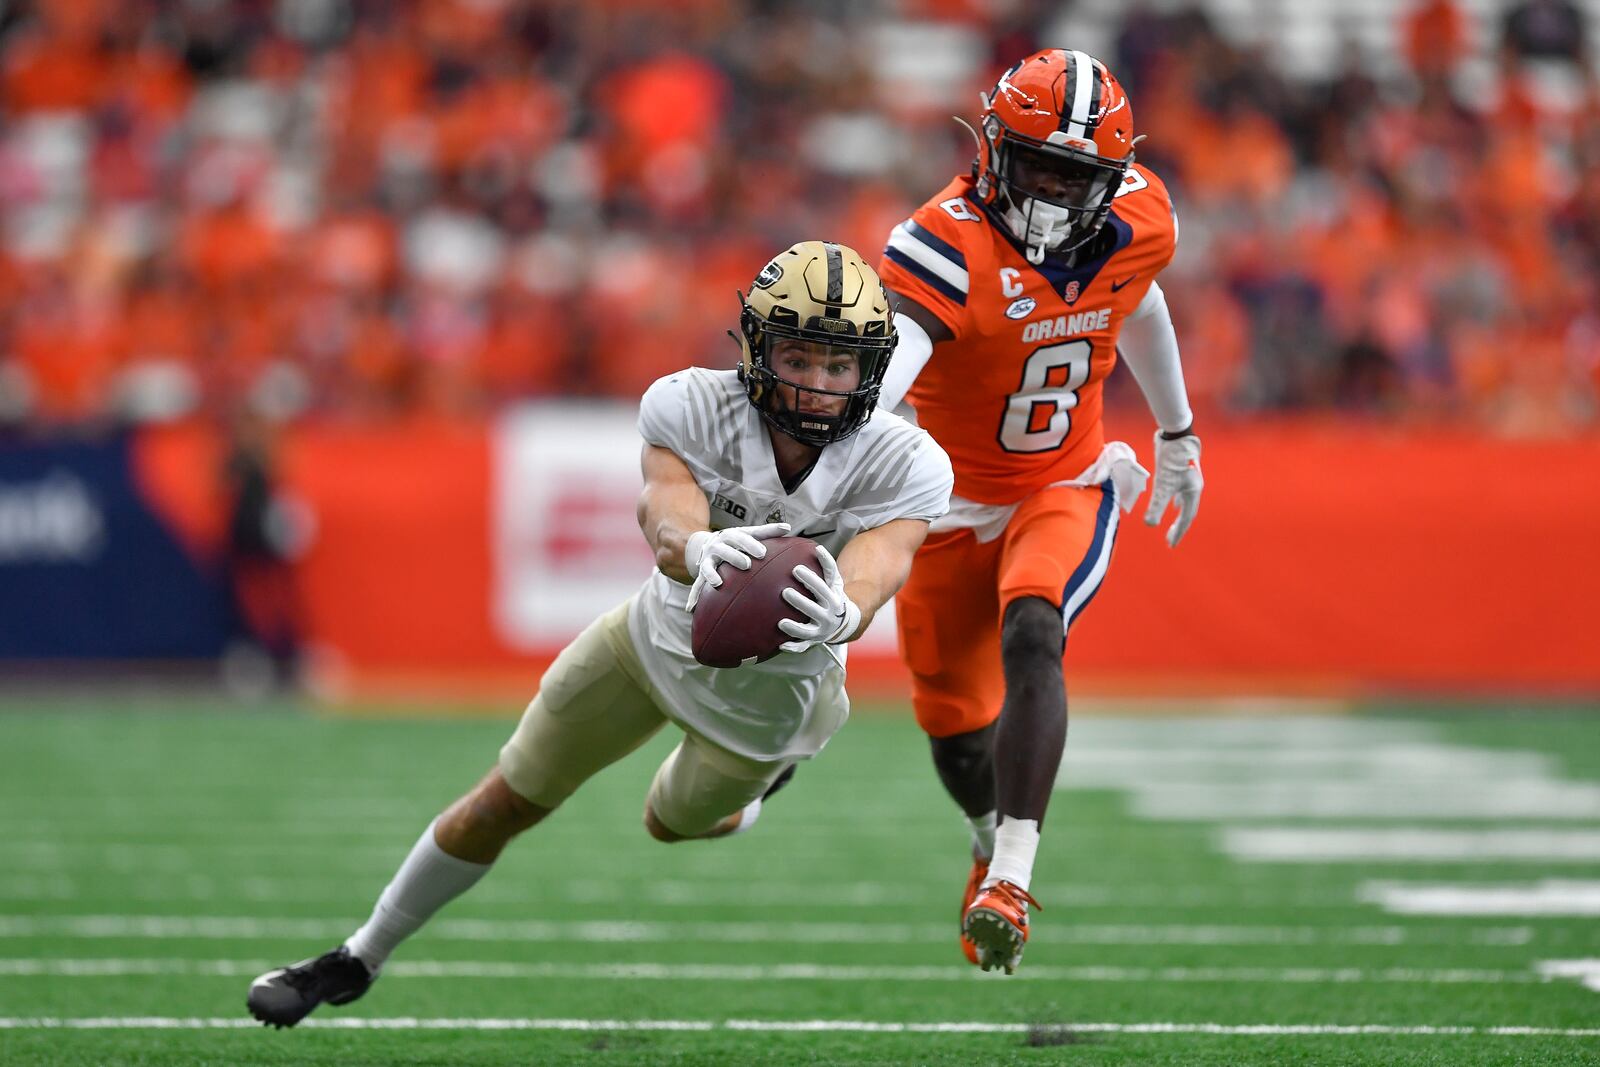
[
  {"x": 718, "y": 972},
  {"x": 855, "y": 1026},
  {"x": 1546, "y": 898},
  {"x": 540, "y": 930},
  {"x": 1412, "y": 844},
  {"x": 663, "y": 892},
  {"x": 378, "y": 861},
  {"x": 1098, "y": 768},
  {"x": 1224, "y": 730},
  {"x": 1585, "y": 971},
  {"x": 1497, "y": 801}
]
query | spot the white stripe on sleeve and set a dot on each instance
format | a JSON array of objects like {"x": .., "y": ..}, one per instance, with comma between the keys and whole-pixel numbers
[{"x": 901, "y": 240}]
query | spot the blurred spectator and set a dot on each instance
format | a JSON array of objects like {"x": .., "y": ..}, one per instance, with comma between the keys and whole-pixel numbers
[
  {"x": 1546, "y": 29},
  {"x": 1437, "y": 36},
  {"x": 371, "y": 209}
]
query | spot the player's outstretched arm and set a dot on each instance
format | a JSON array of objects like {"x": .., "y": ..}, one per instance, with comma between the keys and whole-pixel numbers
[
  {"x": 671, "y": 509},
  {"x": 675, "y": 517},
  {"x": 844, "y": 596},
  {"x": 877, "y": 562}
]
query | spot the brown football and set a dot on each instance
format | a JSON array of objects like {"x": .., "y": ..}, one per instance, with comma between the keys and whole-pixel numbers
[{"x": 737, "y": 622}]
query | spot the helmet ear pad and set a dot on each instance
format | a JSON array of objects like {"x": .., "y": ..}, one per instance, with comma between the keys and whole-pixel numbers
[{"x": 748, "y": 339}]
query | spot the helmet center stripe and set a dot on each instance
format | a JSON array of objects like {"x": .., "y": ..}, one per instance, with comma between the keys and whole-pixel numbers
[
  {"x": 1081, "y": 76},
  {"x": 835, "y": 295}
]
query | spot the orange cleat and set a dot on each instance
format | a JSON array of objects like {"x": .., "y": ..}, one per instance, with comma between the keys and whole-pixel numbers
[
  {"x": 980, "y": 871},
  {"x": 996, "y": 924}
]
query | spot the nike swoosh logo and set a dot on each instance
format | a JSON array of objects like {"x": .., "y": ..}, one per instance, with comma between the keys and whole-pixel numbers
[
  {"x": 1115, "y": 286},
  {"x": 814, "y": 534}
]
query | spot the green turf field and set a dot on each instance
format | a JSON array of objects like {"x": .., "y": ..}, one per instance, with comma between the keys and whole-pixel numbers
[{"x": 1394, "y": 888}]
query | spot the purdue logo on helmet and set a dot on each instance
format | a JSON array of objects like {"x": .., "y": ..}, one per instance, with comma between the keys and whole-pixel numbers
[
  {"x": 823, "y": 295},
  {"x": 768, "y": 276}
]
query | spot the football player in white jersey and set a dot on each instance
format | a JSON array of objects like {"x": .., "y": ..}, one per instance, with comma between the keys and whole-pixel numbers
[{"x": 790, "y": 440}]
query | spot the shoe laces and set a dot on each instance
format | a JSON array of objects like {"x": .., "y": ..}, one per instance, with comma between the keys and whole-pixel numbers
[
  {"x": 310, "y": 974},
  {"x": 1015, "y": 895},
  {"x": 301, "y": 978}
]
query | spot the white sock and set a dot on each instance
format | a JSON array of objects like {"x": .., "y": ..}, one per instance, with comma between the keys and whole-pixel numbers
[
  {"x": 1015, "y": 843},
  {"x": 429, "y": 879},
  {"x": 747, "y": 817},
  {"x": 982, "y": 827}
]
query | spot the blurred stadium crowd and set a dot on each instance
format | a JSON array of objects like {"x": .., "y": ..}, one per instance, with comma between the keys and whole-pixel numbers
[{"x": 365, "y": 208}]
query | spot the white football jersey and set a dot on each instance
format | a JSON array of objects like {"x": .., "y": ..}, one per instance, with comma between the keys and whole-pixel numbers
[{"x": 787, "y": 707}]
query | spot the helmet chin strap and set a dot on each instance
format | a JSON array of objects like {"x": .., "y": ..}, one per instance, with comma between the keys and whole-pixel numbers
[{"x": 1042, "y": 228}]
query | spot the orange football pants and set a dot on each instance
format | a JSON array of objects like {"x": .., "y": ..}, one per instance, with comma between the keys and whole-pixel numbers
[{"x": 1057, "y": 546}]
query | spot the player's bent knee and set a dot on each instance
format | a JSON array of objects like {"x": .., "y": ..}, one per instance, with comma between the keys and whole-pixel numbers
[
  {"x": 494, "y": 808},
  {"x": 964, "y": 753},
  {"x": 1032, "y": 631},
  {"x": 481, "y": 823}
]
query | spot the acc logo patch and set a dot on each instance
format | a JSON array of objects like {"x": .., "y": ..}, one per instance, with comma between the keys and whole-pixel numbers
[
  {"x": 1021, "y": 309},
  {"x": 769, "y": 275}
]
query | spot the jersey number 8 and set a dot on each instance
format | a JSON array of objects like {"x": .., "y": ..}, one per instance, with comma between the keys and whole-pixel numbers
[{"x": 1039, "y": 414}]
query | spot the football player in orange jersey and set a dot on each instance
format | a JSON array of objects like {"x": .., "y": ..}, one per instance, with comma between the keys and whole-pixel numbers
[{"x": 1016, "y": 288}]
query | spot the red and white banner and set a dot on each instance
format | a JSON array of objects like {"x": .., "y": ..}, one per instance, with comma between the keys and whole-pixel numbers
[
  {"x": 566, "y": 538},
  {"x": 1326, "y": 558}
]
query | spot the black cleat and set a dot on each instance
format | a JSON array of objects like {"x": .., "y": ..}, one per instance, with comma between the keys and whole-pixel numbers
[
  {"x": 779, "y": 782},
  {"x": 285, "y": 996}
]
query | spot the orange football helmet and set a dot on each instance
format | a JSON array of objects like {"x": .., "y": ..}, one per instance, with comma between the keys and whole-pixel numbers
[{"x": 1054, "y": 143}]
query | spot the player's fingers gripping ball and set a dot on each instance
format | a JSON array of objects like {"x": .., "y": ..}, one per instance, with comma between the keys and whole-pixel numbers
[
  {"x": 830, "y": 615},
  {"x": 736, "y": 546},
  {"x": 737, "y": 622}
]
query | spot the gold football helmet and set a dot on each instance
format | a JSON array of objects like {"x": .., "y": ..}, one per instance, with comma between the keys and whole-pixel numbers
[{"x": 818, "y": 293}]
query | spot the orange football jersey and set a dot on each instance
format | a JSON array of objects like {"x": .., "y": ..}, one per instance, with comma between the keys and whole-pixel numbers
[{"x": 1015, "y": 396}]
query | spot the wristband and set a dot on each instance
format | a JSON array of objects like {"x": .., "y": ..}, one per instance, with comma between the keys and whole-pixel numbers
[
  {"x": 694, "y": 549},
  {"x": 847, "y": 628}
]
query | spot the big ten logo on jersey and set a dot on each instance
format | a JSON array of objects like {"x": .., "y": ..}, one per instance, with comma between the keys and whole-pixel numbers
[
  {"x": 1066, "y": 325},
  {"x": 722, "y": 503}
]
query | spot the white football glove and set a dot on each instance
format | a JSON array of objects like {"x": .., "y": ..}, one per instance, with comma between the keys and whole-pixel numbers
[
  {"x": 834, "y": 616},
  {"x": 1177, "y": 480},
  {"x": 706, "y": 550}
]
